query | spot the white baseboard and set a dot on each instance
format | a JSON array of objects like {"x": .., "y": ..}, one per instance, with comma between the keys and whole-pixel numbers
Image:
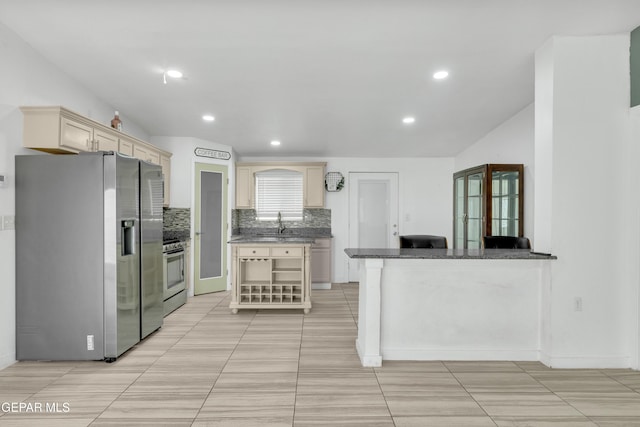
[
  {"x": 586, "y": 362},
  {"x": 321, "y": 285},
  {"x": 368, "y": 361},
  {"x": 462, "y": 354}
]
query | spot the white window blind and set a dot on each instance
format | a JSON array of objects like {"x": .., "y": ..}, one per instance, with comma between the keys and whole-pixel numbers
[{"x": 279, "y": 190}]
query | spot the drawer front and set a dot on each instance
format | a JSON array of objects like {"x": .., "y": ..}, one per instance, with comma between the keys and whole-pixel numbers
[
  {"x": 322, "y": 242},
  {"x": 286, "y": 252},
  {"x": 253, "y": 251}
]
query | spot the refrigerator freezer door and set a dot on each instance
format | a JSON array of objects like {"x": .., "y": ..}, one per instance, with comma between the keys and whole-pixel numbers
[
  {"x": 59, "y": 257},
  {"x": 122, "y": 254},
  {"x": 151, "y": 199}
]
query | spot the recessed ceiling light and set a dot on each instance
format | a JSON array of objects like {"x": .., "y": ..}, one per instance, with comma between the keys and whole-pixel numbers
[
  {"x": 441, "y": 75},
  {"x": 208, "y": 118},
  {"x": 409, "y": 120},
  {"x": 174, "y": 74},
  {"x": 275, "y": 143}
]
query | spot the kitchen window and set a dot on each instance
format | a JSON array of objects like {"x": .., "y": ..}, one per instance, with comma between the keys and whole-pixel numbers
[{"x": 279, "y": 191}]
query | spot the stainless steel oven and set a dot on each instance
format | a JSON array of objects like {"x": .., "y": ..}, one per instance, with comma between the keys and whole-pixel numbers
[{"x": 175, "y": 293}]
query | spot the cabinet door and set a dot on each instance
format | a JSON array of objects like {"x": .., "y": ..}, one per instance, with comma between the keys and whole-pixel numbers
[
  {"x": 140, "y": 152},
  {"x": 147, "y": 154},
  {"x": 104, "y": 141},
  {"x": 75, "y": 135},
  {"x": 314, "y": 187},
  {"x": 126, "y": 147},
  {"x": 244, "y": 187},
  {"x": 165, "y": 162},
  {"x": 505, "y": 200},
  {"x": 154, "y": 157},
  {"x": 321, "y": 261}
]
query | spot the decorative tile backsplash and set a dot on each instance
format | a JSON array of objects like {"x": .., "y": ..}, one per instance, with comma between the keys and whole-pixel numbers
[
  {"x": 177, "y": 219},
  {"x": 316, "y": 221},
  {"x": 177, "y": 222}
]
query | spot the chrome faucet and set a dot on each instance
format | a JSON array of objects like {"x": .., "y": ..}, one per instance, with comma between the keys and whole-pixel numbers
[{"x": 281, "y": 226}]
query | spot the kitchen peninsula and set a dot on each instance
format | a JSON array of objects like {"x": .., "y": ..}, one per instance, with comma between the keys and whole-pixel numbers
[{"x": 452, "y": 304}]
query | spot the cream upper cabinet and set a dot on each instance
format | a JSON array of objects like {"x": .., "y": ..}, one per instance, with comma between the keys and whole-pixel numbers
[
  {"x": 141, "y": 152},
  {"x": 146, "y": 153},
  {"x": 244, "y": 187},
  {"x": 125, "y": 146},
  {"x": 60, "y": 131},
  {"x": 104, "y": 141},
  {"x": 313, "y": 181},
  {"x": 314, "y": 187},
  {"x": 75, "y": 135},
  {"x": 165, "y": 162},
  {"x": 154, "y": 157}
]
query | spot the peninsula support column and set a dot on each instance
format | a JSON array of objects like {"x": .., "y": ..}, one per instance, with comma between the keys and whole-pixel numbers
[{"x": 368, "y": 341}]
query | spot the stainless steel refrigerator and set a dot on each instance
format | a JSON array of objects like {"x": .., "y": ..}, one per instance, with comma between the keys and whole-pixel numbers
[{"x": 88, "y": 255}]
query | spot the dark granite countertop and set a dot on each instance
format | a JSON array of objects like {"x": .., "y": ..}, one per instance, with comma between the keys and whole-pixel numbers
[
  {"x": 278, "y": 239},
  {"x": 176, "y": 234},
  {"x": 447, "y": 254},
  {"x": 271, "y": 235}
]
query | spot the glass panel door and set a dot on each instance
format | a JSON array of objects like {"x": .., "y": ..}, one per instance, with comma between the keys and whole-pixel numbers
[
  {"x": 505, "y": 201},
  {"x": 210, "y": 228},
  {"x": 475, "y": 210},
  {"x": 459, "y": 217}
]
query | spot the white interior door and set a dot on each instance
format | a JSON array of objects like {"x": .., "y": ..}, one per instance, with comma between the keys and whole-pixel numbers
[{"x": 373, "y": 213}]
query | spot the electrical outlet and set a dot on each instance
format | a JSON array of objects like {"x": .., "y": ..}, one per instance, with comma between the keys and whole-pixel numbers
[
  {"x": 90, "y": 346},
  {"x": 8, "y": 222},
  {"x": 577, "y": 304}
]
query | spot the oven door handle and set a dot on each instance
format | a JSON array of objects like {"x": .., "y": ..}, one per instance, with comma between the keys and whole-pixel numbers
[{"x": 173, "y": 253}]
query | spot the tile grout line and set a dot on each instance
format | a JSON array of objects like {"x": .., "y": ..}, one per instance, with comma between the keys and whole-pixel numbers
[
  {"x": 227, "y": 361},
  {"x": 469, "y": 393},
  {"x": 619, "y": 382},
  {"x": 295, "y": 396},
  {"x": 559, "y": 397},
  {"x": 149, "y": 367}
]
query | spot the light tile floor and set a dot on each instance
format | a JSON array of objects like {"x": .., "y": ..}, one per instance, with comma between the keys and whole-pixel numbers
[{"x": 207, "y": 367}]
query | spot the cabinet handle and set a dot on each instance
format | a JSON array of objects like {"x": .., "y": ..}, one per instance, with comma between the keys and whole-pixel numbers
[{"x": 286, "y": 252}]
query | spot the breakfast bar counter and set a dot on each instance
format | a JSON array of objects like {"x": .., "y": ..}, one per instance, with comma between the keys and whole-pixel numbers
[{"x": 451, "y": 304}]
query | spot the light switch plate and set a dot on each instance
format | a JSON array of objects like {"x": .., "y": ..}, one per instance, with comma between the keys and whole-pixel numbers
[{"x": 9, "y": 222}]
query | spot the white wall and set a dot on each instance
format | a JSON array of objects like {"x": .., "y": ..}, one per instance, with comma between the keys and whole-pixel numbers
[
  {"x": 425, "y": 198},
  {"x": 511, "y": 142},
  {"x": 26, "y": 78},
  {"x": 584, "y": 136}
]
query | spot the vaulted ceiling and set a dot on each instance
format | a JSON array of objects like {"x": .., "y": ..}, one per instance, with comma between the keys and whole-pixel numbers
[{"x": 324, "y": 77}]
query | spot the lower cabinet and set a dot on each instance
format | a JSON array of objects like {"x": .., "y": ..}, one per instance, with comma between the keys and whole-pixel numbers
[
  {"x": 321, "y": 263},
  {"x": 271, "y": 276}
]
